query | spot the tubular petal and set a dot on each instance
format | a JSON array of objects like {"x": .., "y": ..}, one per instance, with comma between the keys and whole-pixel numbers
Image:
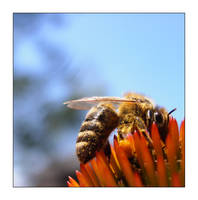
[
  {"x": 182, "y": 132},
  {"x": 86, "y": 175},
  {"x": 113, "y": 154},
  {"x": 105, "y": 170},
  {"x": 182, "y": 143},
  {"x": 172, "y": 144},
  {"x": 174, "y": 132},
  {"x": 124, "y": 164},
  {"x": 138, "y": 149},
  {"x": 97, "y": 172},
  {"x": 156, "y": 140},
  {"x": 132, "y": 144},
  {"x": 137, "y": 180},
  {"x": 91, "y": 174},
  {"x": 69, "y": 184},
  {"x": 175, "y": 180},
  {"x": 161, "y": 172},
  {"x": 82, "y": 179},
  {"x": 126, "y": 146},
  {"x": 148, "y": 162},
  {"x": 73, "y": 183},
  {"x": 182, "y": 138},
  {"x": 114, "y": 164},
  {"x": 171, "y": 154}
]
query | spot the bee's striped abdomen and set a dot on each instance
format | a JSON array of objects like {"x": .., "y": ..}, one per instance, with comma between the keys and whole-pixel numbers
[{"x": 100, "y": 121}]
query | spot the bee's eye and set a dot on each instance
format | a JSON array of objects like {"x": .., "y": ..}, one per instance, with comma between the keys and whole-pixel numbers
[{"x": 158, "y": 118}]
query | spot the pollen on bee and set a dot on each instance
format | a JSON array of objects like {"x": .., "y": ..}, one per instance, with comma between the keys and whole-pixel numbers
[{"x": 81, "y": 144}]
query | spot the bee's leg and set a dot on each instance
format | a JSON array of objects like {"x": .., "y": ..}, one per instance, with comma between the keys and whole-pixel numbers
[
  {"x": 140, "y": 125},
  {"x": 124, "y": 128},
  {"x": 107, "y": 150},
  {"x": 120, "y": 135}
]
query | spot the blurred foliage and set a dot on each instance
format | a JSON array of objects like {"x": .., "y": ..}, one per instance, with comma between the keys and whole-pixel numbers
[
  {"x": 55, "y": 174},
  {"x": 21, "y": 85},
  {"x": 39, "y": 113}
]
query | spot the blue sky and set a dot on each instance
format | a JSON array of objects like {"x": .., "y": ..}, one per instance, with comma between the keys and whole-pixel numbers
[
  {"x": 134, "y": 52},
  {"x": 128, "y": 52}
]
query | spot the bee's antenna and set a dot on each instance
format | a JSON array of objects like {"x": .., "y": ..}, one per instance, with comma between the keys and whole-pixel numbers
[{"x": 172, "y": 111}]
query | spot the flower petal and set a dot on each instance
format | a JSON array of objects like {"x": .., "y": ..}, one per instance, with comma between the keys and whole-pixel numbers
[
  {"x": 182, "y": 143},
  {"x": 156, "y": 140},
  {"x": 105, "y": 170},
  {"x": 148, "y": 162},
  {"x": 91, "y": 174},
  {"x": 82, "y": 179},
  {"x": 172, "y": 144},
  {"x": 72, "y": 183},
  {"x": 86, "y": 175},
  {"x": 175, "y": 180},
  {"x": 138, "y": 149},
  {"x": 161, "y": 172},
  {"x": 126, "y": 146},
  {"x": 132, "y": 144},
  {"x": 97, "y": 172},
  {"x": 125, "y": 165},
  {"x": 114, "y": 164}
]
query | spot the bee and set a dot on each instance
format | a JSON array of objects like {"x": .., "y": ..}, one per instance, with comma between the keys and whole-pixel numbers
[{"x": 127, "y": 114}]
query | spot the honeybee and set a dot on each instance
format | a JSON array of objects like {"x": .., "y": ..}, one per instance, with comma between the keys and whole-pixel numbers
[{"x": 133, "y": 111}]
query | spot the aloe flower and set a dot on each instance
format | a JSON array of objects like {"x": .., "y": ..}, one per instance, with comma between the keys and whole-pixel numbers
[{"x": 134, "y": 162}]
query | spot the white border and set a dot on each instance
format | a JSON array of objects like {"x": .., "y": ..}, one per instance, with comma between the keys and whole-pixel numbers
[{"x": 6, "y": 98}]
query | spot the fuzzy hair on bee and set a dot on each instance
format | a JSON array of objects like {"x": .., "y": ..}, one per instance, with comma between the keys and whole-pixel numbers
[
  {"x": 132, "y": 112},
  {"x": 99, "y": 122}
]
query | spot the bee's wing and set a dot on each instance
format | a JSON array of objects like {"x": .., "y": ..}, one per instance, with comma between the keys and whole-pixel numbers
[{"x": 88, "y": 102}]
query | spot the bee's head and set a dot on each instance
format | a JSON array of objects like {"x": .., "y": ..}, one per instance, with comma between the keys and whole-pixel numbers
[{"x": 160, "y": 116}]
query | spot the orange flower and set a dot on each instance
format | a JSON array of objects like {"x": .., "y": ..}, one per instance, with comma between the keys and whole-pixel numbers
[{"x": 134, "y": 162}]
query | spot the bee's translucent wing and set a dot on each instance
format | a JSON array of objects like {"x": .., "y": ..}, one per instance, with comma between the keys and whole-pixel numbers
[{"x": 88, "y": 102}]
